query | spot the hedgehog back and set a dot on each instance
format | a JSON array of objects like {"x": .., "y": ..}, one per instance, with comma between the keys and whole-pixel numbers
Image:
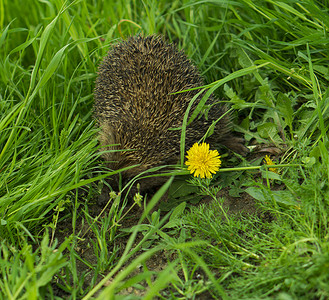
[{"x": 134, "y": 103}]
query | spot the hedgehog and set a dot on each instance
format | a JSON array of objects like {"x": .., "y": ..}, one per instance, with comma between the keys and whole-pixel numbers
[{"x": 137, "y": 104}]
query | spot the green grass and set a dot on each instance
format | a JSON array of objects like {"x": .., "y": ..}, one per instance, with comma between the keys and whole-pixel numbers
[{"x": 268, "y": 59}]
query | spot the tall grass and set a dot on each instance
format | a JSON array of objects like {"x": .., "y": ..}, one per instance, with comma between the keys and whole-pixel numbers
[
  {"x": 268, "y": 59},
  {"x": 46, "y": 142}
]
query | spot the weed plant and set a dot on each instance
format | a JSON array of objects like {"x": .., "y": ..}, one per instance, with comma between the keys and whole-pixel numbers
[{"x": 267, "y": 59}]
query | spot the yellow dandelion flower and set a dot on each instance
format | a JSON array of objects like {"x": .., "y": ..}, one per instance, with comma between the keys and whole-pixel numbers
[
  {"x": 269, "y": 162},
  {"x": 201, "y": 161}
]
